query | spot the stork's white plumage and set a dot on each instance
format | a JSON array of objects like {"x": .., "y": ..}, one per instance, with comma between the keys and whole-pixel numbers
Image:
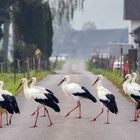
[
  {"x": 9, "y": 97},
  {"x": 46, "y": 92},
  {"x": 134, "y": 77},
  {"x": 106, "y": 98},
  {"x": 76, "y": 91},
  {"x": 133, "y": 91},
  {"x": 38, "y": 97},
  {"x": 133, "y": 82}
]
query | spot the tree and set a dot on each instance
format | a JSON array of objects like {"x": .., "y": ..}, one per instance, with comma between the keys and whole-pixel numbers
[
  {"x": 32, "y": 22},
  {"x": 5, "y": 19},
  {"x": 89, "y": 26}
]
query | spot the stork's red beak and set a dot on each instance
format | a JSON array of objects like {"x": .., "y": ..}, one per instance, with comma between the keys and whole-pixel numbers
[
  {"x": 19, "y": 86},
  {"x": 95, "y": 82},
  {"x": 29, "y": 82},
  {"x": 61, "y": 82},
  {"x": 125, "y": 79}
]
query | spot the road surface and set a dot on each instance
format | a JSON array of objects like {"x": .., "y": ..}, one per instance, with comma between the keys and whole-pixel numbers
[{"x": 71, "y": 128}]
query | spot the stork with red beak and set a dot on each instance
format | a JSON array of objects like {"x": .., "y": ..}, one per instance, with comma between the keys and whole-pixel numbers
[
  {"x": 39, "y": 98},
  {"x": 77, "y": 92},
  {"x": 106, "y": 98},
  {"x": 46, "y": 92},
  {"x": 133, "y": 92}
]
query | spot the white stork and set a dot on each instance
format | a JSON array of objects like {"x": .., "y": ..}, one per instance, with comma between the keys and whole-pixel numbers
[
  {"x": 38, "y": 97},
  {"x": 10, "y": 98},
  {"x": 134, "y": 77},
  {"x": 134, "y": 93},
  {"x": 106, "y": 98},
  {"x": 46, "y": 91},
  {"x": 133, "y": 82},
  {"x": 76, "y": 91}
]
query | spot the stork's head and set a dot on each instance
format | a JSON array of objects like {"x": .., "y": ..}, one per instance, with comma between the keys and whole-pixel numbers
[
  {"x": 134, "y": 75},
  {"x": 128, "y": 78},
  {"x": 66, "y": 79},
  {"x": 22, "y": 81},
  {"x": 99, "y": 78},
  {"x": 32, "y": 81}
]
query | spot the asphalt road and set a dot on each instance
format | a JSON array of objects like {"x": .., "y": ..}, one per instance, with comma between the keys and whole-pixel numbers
[{"x": 71, "y": 128}]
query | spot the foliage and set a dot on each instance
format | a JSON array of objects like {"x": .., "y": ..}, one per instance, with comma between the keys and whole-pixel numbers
[
  {"x": 34, "y": 25},
  {"x": 9, "y": 84},
  {"x": 65, "y": 8},
  {"x": 22, "y": 51}
]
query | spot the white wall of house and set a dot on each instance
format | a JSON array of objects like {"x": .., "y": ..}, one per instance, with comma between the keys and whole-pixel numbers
[{"x": 132, "y": 24}]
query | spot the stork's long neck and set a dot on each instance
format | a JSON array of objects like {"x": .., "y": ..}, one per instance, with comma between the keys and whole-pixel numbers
[
  {"x": 65, "y": 83},
  {"x": 1, "y": 87},
  {"x": 25, "y": 86},
  {"x": 99, "y": 83},
  {"x": 32, "y": 84},
  {"x": 133, "y": 80},
  {"x": 127, "y": 81}
]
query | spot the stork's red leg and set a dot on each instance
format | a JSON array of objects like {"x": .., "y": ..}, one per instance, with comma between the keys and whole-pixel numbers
[
  {"x": 7, "y": 121},
  {"x": 34, "y": 112},
  {"x": 72, "y": 110},
  {"x": 46, "y": 111},
  {"x": 135, "y": 112},
  {"x": 10, "y": 120},
  {"x": 36, "y": 118},
  {"x": 107, "y": 119},
  {"x": 1, "y": 119},
  {"x": 98, "y": 115},
  {"x": 44, "y": 115},
  {"x": 138, "y": 113},
  {"x": 79, "y": 110}
]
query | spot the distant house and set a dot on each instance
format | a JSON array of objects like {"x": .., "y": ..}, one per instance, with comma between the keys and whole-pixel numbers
[
  {"x": 132, "y": 14},
  {"x": 85, "y": 43}
]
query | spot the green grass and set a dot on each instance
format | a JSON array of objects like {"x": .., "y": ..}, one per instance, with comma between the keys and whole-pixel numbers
[
  {"x": 8, "y": 79},
  {"x": 116, "y": 80}
]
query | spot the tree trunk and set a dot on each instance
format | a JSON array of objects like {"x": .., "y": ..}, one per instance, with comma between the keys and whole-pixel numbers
[{"x": 6, "y": 40}]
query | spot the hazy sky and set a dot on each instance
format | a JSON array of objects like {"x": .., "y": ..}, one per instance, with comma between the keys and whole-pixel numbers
[{"x": 105, "y": 14}]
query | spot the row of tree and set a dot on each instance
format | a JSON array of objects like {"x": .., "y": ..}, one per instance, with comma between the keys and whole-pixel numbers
[{"x": 31, "y": 22}]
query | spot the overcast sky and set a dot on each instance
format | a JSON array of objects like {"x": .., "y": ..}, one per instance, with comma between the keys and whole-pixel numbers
[{"x": 105, "y": 14}]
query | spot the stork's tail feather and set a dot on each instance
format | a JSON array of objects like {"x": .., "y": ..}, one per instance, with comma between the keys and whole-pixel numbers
[
  {"x": 15, "y": 105},
  {"x": 52, "y": 97},
  {"x": 92, "y": 98},
  {"x": 49, "y": 103},
  {"x": 89, "y": 95},
  {"x": 114, "y": 108},
  {"x": 111, "y": 105},
  {"x": 6, "y": 104},
  {"x": 55, "y": 107}
]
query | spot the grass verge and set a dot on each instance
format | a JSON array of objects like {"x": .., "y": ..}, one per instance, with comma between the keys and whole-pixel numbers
[
  {"x": 113, "y": 77},
  {"x": 8, "y": 79}
]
